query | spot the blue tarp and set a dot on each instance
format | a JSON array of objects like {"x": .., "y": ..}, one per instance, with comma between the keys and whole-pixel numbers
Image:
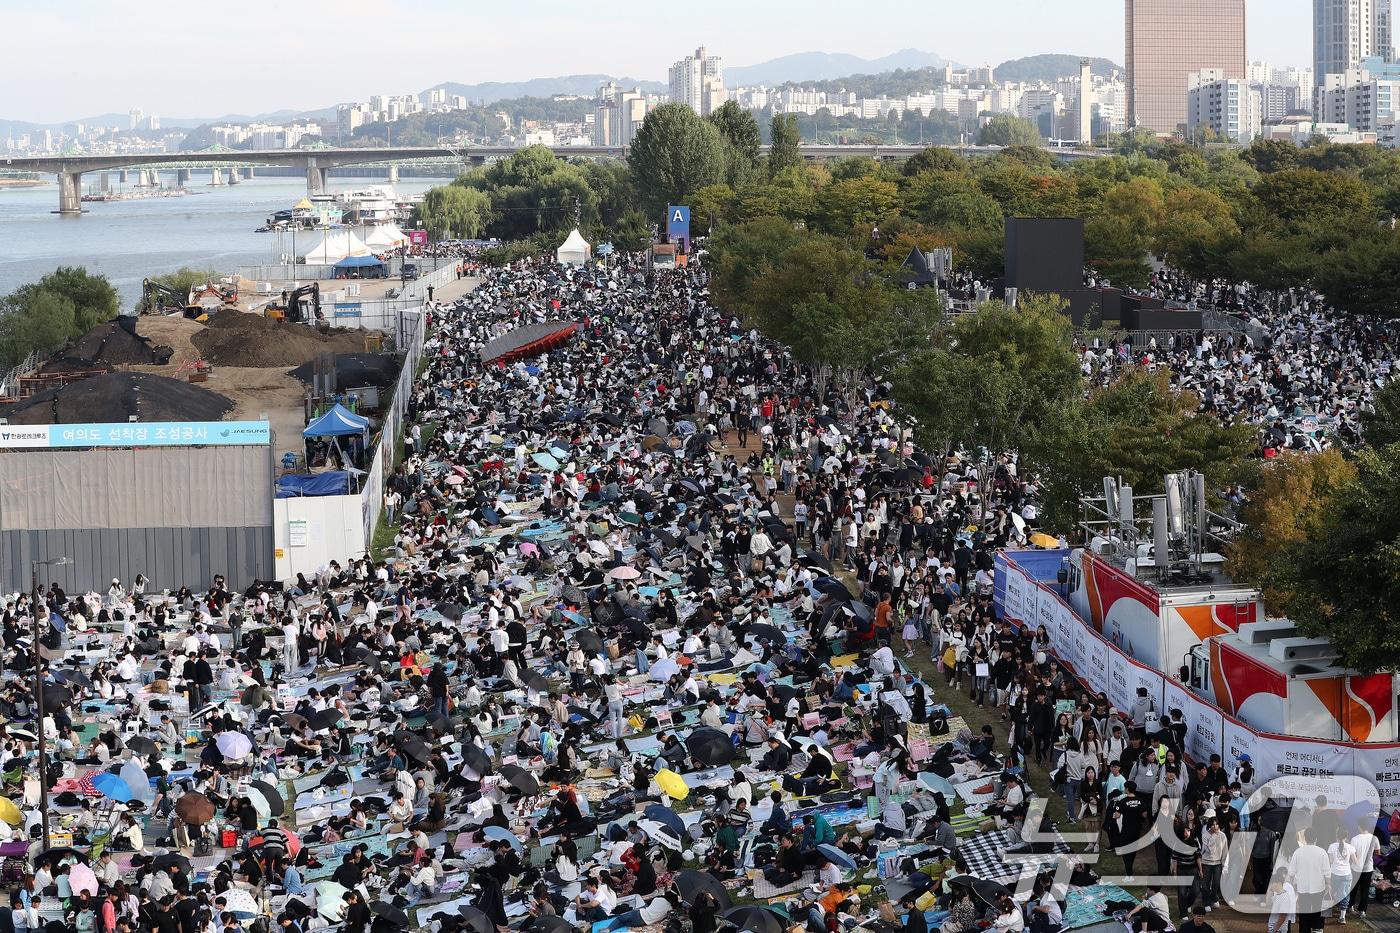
[
  {"x": 359, "y": 262},
  {"x": 335, "y": 483},
  {"x": 338, "y": 422}
]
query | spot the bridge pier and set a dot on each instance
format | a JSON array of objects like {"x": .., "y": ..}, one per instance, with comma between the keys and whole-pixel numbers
[
  {"x": 233, "y": 178},
  {"x": 123, "y": 179},
  {"x": 394, "y": 174},
  {"x": 70, "y": 193},
  {"x": 182, "y": 178},
  {"x": 315, "y": 179}
]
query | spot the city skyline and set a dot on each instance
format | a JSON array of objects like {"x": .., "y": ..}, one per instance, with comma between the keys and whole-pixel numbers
[{"x": 295, "y": 56}]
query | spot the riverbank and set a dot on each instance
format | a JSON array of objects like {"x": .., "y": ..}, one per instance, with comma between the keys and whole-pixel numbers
[{"x": 23, "y": 183}]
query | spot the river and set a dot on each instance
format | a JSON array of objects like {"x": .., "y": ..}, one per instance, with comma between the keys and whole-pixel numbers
[{"x": 131, "y": 240}]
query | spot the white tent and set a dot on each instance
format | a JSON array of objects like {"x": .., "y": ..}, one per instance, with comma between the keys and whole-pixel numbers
[
  {"x": 335, "y": 245},
  {"x": 575, "y": 251},
  {"x": 385, "y": 236}
]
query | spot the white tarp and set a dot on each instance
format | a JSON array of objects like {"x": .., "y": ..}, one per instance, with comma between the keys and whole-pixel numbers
[
  {"x": 335, "y": 245},
  {"x": 575, "y": 251}
]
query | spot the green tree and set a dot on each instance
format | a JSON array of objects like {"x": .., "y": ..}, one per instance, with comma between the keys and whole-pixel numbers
[
  {"x": 1305, "y": 200},
  {"x": 951, "y": 200},
  {"x": 1117, "y": 238},
  {"x": 710, "y": 205},
  {"x": 1343, "y": 581},
  {"x": 1007, "y": 130},
  {"x": 674, "y": 153},
  {"x": 1363, "y": 277},
  {"x": 35, "y": 319},
  {"x": 94, "y": 298},
  {"x": 454, "y": 212},
  {"x": 855, "y": 203},
  {"x": 934, "y": 159},
  {"x": 1195, "y": 232},
  {"x": 990, "y": 378},
  {"x": 785, "y": 151},
  {"x": 1287, "y": 505},
  {"x": 1139, "y": 428},
  {"x": 1272, "y": 155},
  {"x": 743, "y": 141},
  {"x": 1380, "y": 424},
  {"x": 741, "y": 253}
]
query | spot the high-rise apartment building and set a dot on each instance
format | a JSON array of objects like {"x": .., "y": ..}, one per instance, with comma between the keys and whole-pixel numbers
[
  {"x": 698, "y": 82},
  {"x": 1084, "y": 103},
  {"x": 1346, "y": 33},
  {"x": 1168, "y": 41},
  {"x": 1227, "y": 108}
]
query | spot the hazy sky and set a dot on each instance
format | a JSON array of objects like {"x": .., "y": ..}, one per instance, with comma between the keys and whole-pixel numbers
[{"x": 184, "y": 58}]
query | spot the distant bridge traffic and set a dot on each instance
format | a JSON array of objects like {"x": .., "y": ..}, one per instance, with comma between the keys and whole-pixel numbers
[{"x": 316, "y": 162}]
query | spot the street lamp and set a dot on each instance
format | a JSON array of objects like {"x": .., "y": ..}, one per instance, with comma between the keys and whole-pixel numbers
[{"x": 39, "y": 695}]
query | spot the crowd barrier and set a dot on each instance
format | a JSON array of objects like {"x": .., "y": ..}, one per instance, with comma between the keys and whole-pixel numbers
[{"x": 1029, "y": 595}]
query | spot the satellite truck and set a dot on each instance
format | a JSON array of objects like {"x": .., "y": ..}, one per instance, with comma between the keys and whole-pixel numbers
[{"x": 1151, "y": 579}]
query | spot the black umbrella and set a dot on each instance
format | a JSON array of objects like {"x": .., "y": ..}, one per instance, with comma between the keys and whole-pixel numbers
[
  {"x": 170, "y": 860},
  {"x": 537, "y": 681},
  {"x": 784, "y": 692},
  {"x": 476, "y": 920},
  {"x": 691, "y": 882},
  {"x": 520, "y": 779},
  {"x": 813, "y": 559},
  {"x": 476, "y": 757},
  {"x": 450, "y": 611},
  {"x": 418, "y": 750},
  {"x": 588, "y": 640},
  {"x": 58, "y": 854},
  {"x": 754, "y": 919},
  {"x": 989, "y": 892},
  {"x": 909, "y": 476},
  {"x": 275, "y": 803},
  {"x": 143, "y": 746},
  {"x": 327, "y": 718},
  {"x": 761, "y": 631},
  {"x": 73, "y": 677},
  {"x": 551, "y": 925},
  {"x": 391, "y": 913},
  {"x": 712, "y": 747},
  {"x": 366, "y": 655},
  {"x": 832, "y": 587},
  {"x": 56, "y": 696},
  {"x": 861, "y": 611}
]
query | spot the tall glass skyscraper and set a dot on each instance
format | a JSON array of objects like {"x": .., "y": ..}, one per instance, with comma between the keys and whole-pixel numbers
[
  {"x": 1347, "y": 32},
  {"x": 1167, "y": 42}
]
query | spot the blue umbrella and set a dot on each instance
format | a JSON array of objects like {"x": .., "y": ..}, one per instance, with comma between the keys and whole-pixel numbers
[
  {"x": 666, "y": 817},
  {"x": 545, "y": 460},
  {"x": 112, "y": 786},
  {"x": 497, "y": 833},
  {"x": 837, "y": 857},
  {"x": 939, "y": 785}
]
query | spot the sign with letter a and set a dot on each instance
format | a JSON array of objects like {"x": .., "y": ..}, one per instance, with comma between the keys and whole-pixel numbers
[{"x": 678, "y": 226}]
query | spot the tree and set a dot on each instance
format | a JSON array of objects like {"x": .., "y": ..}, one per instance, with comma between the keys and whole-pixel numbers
[
  {"x": 1380, "y": 425},
  {"x": 951, "y": 200},
  {"x": 1363, "y": 277},
  {"x": 1195, "y": 232},
  {"x": 710, "y": 205},
  {"x": 1287, "y": 507},
  {"x": 454, "y": 212},
  {"x": 35, "y": 319},
  {"x": 1305, "y": 200},
  {"x": 739, "y": 130},
  {"x": 181, "y": 280},
  {"x": 741, "y": 253},
  {"x": 1343, "y": 581},
  {"x": 990, "y": 378},
  {"x": 1117, "y": 238},
  {"x": 934, "y": 159},
  {"x": 1139, "y": 428},
  {"x": 785, "y": 151},
  {"x": 674, "y": 153},
  {"x": 1272, "y": 155},
  {"x": 94, "y": 298},
  {"x": 1007, "y": 130},
  {"x": 855, "y": 203}
]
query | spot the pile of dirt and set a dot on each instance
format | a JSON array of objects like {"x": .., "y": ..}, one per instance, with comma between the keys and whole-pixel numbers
[
  {"x": 118, "y": 397},
  {"x": 108, "y": 346},
  {"x": 235, "y": 338},
  {"x": 354, "y": 370}
]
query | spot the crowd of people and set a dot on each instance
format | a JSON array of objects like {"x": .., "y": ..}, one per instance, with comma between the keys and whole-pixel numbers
[{"x": 661, "y": 643}]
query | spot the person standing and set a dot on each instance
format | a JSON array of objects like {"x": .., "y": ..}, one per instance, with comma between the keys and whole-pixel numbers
[
  {"x": 1363, "y": 864},
  {"x": 1308, "y": 869},
  {"x": 1341, "y": 855}
]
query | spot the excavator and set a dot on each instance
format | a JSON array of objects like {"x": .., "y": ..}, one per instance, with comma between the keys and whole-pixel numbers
[
  {"x": 157, "y": 298},
  {"x": 300, "y": 306}
]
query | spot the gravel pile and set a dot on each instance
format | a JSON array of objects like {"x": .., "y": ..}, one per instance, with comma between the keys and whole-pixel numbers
[
  {"x": 108, "y": 346},
  {"x": 116, "y": 397}
]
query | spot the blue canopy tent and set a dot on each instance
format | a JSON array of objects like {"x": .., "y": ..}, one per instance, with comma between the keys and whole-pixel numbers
[
  {"x": 361, "y": 267},
  {"x": 338, "y": 422},
  {"x": 330, "y": 428}
]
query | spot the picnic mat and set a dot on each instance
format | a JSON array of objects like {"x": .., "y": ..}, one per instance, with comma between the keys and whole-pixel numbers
[
  {"x": 984, "y": 856},
  {"x": 1084, "y": 907}
]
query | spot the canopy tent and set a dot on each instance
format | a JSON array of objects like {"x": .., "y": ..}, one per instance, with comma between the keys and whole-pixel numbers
[
  {"x": 361, "y": 267},
  {"x": 385, "y": 236},
  {"x": 303, "y": 205},
  {"x": 335, "y": 245},
  {"x": 917, "y": 271},
  {"x": 531, "y": 340},
  {"x": 338, "y": 422},
  {"x": 575, "y": 251},
  {"x": 334, "y": 483}
]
